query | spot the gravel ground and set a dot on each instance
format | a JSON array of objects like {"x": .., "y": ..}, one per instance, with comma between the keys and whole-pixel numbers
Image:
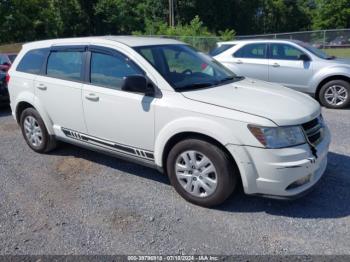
[{"x": 74, "y": 201}]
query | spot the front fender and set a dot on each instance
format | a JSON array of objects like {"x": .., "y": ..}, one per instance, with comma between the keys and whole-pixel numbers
[
  {"x": 324, "y": 73},
  {"x": 222, "y": 133}
]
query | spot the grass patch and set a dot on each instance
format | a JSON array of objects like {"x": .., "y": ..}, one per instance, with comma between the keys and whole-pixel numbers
[
  {"x": 10, "y": 48},
  {"x": 338, "y": 52}
]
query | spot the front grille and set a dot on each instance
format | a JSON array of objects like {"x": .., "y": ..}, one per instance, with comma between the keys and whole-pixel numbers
[{"x": 314, "y": 130}]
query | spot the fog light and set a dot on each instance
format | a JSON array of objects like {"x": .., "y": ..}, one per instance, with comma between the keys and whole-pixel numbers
[{"x": 299, "y": 182}]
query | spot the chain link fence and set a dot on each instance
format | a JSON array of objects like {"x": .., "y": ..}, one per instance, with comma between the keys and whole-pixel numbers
[
  {"x": 333, "y": 38},
  {"x": 334, "y": 41},
  {"x": 203, "y": 43}
]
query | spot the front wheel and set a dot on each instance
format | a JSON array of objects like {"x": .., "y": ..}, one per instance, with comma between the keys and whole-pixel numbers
[
  {"x": 201, "y": 172},
  {"x": 335, "y": 94}
]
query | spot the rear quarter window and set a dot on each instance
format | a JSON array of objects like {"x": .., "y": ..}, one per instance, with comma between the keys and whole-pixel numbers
[
  {"x": 257, "y": 50},
  {"x": 32, "y": 62},
  {"x": 220, "y": 49}
]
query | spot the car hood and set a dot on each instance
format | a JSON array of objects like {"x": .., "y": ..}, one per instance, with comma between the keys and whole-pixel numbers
[{"x": 279, "y": 104}]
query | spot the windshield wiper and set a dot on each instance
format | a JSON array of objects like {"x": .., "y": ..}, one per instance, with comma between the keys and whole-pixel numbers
[
  {"x": 196, "y": 85},
  {"x": 331, "y": 57}
]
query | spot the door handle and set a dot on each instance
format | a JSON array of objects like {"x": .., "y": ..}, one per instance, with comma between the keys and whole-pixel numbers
[
  {"x": 41, "y": 86},
  {"x": 239, "y": 62},
  {"x": 92, "y": 97},
  {"x": 276, "y": 65}
]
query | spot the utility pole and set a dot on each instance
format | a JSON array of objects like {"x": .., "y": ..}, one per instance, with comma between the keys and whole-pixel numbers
[{"x": 171, "y": 13}]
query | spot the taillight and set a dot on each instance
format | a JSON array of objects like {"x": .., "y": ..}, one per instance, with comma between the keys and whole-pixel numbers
[{"x": 7, "y": 78}]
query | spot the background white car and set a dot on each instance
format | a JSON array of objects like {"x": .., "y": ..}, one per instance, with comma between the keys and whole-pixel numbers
[{"x": 294, "y": 64}]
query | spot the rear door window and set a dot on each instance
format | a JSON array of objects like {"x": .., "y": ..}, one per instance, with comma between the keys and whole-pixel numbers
[
  {"x": 33, "y": 61},
  {"x": 65, "y": 65},
  {"x": 252, "y": 51}
]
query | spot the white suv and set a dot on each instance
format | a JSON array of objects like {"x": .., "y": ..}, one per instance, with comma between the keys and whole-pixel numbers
[{"x": 163, "y": 104}]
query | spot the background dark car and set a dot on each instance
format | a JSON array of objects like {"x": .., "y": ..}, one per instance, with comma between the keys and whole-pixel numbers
[
  {"x": 4, "y": 95},
  {"x": 5, "y": 63}
]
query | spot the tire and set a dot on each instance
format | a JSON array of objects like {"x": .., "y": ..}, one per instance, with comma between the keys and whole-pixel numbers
[
  {"x": 335, "y": 89},
  {"x": 41, "y": 142},
  {"x": 225, "y": 175}
]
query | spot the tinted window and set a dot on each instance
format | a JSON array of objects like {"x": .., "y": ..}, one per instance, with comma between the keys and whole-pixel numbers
[
  {"x": 220, "y": 49},
  {"x": 65, "y": 64},
  {"x": 284, "y": 52},
  {"x": 110, "y": 70},
  {"x": 148, "y": 54},
  {"x": 252, "y": 51},
  {"x": 32, "y": 61}
]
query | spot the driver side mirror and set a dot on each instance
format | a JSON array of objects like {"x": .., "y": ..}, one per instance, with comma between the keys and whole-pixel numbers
[
  {"x": 137, "y": 84},
  {"x": 304, "y": 57}
]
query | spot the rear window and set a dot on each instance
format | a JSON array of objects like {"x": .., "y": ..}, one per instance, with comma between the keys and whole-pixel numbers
[
  {"x": 32, "y": 61},
  {"x": 65, "y": 65},
  {"x": 220, "y": 49}
]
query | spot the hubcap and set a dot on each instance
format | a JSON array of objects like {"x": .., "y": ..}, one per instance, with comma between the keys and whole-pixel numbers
[
  {"x": 33, "y": 131},
  {"x": 196, "y": 173},
  {"x": 336, "y": 95}
]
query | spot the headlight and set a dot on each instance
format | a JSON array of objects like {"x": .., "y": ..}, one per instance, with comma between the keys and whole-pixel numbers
[{"x": 278, "y": 137}]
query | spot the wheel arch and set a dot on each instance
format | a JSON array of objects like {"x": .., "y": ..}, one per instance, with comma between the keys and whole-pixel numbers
[
  {"x": 21, "y": 106},
  {"x": 328, "y": 79},
  {"x": 24, "y": 104},
  {"x": 188, "y": 135}
]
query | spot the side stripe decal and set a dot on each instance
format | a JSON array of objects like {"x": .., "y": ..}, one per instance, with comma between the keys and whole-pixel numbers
[{"x": 147, "y": 155}]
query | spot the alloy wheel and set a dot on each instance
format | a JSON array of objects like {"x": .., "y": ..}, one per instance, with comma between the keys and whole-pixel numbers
[
  {"x": 33, "y": 131},
  {"x": 336, "y": 95}
]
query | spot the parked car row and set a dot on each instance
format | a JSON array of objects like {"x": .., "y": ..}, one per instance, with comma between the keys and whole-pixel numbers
[
  {"x": 294, "y": 64},
  {"x": 161, "y": 103}
]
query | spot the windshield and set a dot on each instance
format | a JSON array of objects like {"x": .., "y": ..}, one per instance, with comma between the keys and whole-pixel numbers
[
  {"x": 185, "y": 68},
  {"x": 315, "y": 51}
]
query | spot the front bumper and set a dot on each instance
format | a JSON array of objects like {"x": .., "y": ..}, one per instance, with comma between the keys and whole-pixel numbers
[{"x": 281, "y": 173}]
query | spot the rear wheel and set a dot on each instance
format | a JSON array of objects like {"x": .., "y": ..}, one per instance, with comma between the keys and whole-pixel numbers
[
  {"x": 201, "y": 172},
  {"x": 335, "y": 94},
  {"x": 35, "y": 132}
]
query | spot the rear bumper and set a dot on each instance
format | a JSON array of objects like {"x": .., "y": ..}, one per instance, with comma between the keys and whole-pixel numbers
[{"x": 285, "y": 173}]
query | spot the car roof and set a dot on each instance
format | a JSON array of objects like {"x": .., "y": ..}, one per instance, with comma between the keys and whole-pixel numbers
[
  {"x": 260, "y": 40},
  {"x": 131, "y": 41}
]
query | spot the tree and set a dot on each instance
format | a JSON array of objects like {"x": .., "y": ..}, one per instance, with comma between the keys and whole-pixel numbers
[
  {"x": 28, "y": 20},
  {"x": 72, "y": 20},
  {"x": 117, "y": 16},
  {"x": 331, "y": 14}
]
